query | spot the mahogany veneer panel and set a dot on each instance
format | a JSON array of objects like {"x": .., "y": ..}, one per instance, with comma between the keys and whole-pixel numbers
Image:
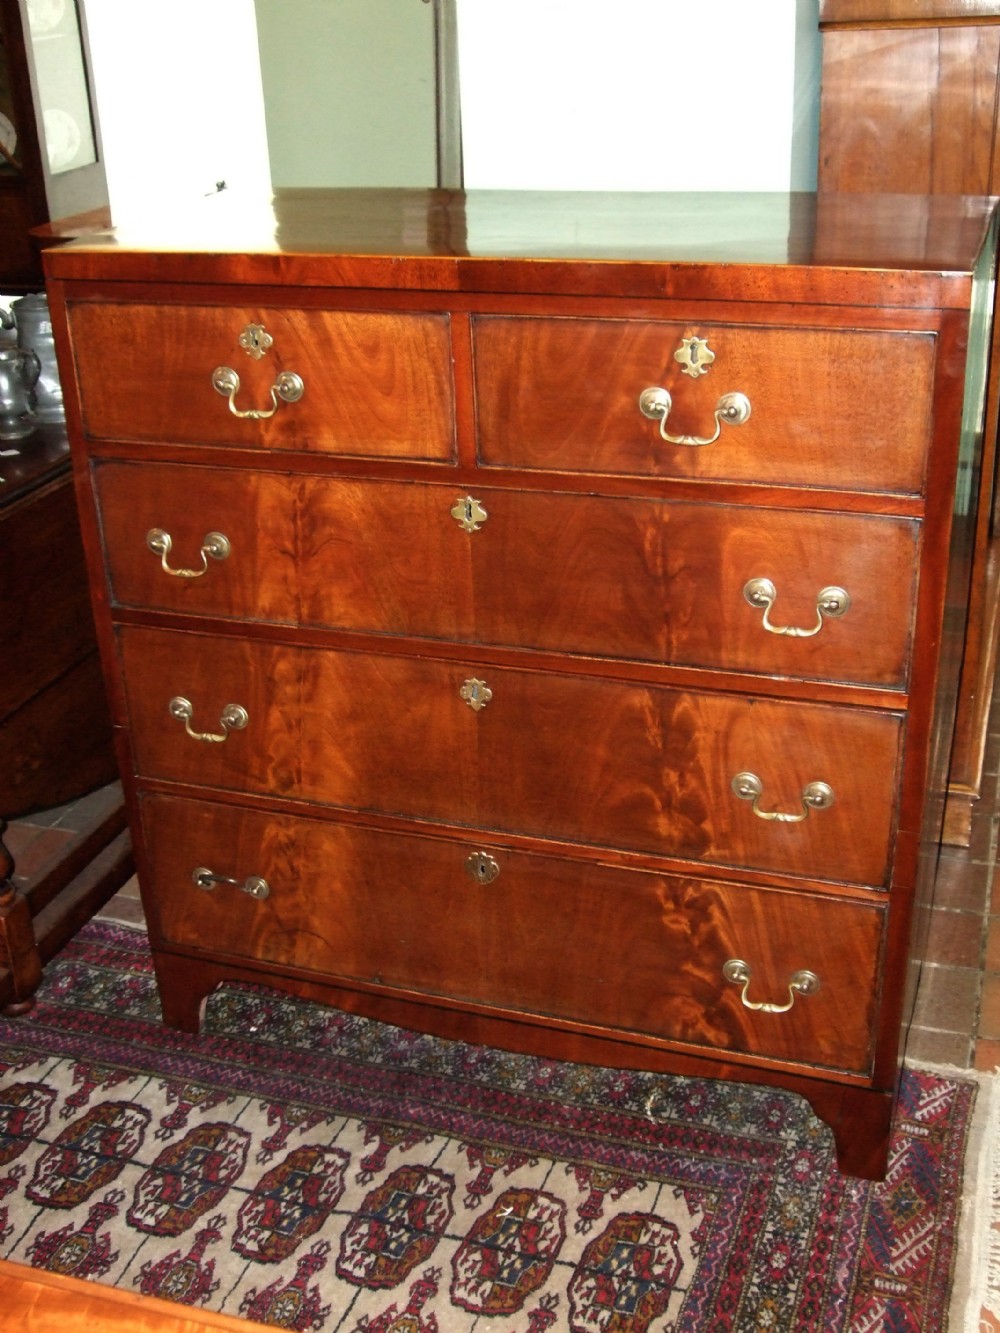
[
  {"x": 801, "y": 249},
  {"x": 908, "y": 11},
  {"x": 401, "y": 912},
  {"x": 922, "y": 109},
  {"x": 392, "y": 734},
  {"x": 148, "y": 369},
  {"x": 54, "y": 1303},
  {"x": 828, "y": 407},
  {"x": 652, "y": 580}
]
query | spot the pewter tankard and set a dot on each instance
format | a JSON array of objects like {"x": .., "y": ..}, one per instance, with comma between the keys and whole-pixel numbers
[
  {"x": 34, "y": 332},
  {"x": 19, "y": 371}
]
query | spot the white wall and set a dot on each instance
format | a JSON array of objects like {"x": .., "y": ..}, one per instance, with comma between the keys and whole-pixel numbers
[
  {"x": 179, "y": 100},
  {"x": 639, "y": 94},
  {"x": 556, "y": 94}
]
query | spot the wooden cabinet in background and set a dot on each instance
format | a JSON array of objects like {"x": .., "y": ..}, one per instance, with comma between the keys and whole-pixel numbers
[
  {"x": 43, "y": 88},
  {"x": 23, "y": 204},
  {"x": 55, "y": 731},
  {"x": 910, "y": 104}
]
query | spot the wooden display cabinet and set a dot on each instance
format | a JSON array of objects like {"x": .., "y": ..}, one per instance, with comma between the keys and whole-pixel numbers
[
  {"x": 910, "y": 104},
  {"x": 42, "y": 181}
]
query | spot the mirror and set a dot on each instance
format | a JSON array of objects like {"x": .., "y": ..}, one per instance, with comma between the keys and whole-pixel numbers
[
  {"x": 60, "y": 79},
  {"x": 9, "y": 162},
  {"x": 360, "y": 92},
  {"x": 178, "y": 116}
]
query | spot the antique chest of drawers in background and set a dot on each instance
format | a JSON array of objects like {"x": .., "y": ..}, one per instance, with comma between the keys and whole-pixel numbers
[{"x": 534, "y": 619}]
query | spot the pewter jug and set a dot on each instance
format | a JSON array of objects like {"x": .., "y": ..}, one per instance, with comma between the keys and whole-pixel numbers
[
  {"x": 34, "y": 332},
  {"x": 19, "y": 371}
]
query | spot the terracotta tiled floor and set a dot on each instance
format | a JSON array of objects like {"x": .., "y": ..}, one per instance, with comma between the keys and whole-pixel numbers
[
  {"x": 40, "y": 840},
  {"x": 125, "y": 906},
  {"x": 957, "y": 1016}
]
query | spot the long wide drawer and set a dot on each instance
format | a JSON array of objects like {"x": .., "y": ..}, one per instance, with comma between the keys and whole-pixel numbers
[
  {"x": 534, "y": 753},
  {"x": 374, "y": 384},
  {"x": 827, "y": 407},
  {"x": 644, "y": 579},
  {"x": 615, "y": 949}
]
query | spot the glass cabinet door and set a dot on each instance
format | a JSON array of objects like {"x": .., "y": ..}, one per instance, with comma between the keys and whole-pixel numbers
[{"x": 9, "y": 161}]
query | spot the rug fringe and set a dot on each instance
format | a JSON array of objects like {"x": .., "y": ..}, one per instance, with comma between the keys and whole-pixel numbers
[
  {"x": 976, "y": 1288},
  {"x": 991, "y": 1295}
]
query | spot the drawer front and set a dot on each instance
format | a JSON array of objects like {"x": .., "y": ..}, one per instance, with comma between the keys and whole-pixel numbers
[
  {"x": 620, "y": 950},
  {"x": 374, "y": 383},
  {"x": 648, "y": 580},
  {"x": 846, "y": 409},
  {"x": 547, "y": 755}
]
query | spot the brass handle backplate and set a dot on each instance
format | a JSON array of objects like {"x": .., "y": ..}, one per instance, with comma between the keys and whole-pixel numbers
[
  {"x": 252, "y": 885},
  {"x": 832, "y": 601},
  {"x": 234, "y": 717},
  {"x": 216, "y": 545},
  {"x": 287, "y": 388},
  {"x": 799, "y": 983},
  {"x": 815, "y": 796},
  {"x": 732, "y": 409}
]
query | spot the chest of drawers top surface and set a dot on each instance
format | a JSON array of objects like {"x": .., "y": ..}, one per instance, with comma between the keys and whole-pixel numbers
[{"x": 800, "y": 247}]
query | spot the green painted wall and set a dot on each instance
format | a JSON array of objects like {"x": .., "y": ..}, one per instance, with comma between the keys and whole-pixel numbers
[{"x": 348, "y": 91}]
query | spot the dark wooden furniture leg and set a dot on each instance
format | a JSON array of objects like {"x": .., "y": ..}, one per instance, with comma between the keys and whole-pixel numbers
[{"x": 18, "y": 951}]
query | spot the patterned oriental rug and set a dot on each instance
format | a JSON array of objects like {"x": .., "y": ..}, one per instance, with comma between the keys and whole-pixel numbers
[{"x": 314, "y": 1170}]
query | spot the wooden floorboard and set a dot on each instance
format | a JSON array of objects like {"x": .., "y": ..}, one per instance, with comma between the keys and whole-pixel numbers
[{"x": 51, "y": 1303}]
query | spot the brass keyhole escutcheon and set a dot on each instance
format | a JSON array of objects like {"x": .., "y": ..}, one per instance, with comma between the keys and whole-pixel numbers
[
  {"x": 695, "y": 356},
  {"x": 482, "y": 867},
  {"x": 476, "y": 693},
  {"x": 468, "y": 513},
  {"x": 255, "y": 341}
]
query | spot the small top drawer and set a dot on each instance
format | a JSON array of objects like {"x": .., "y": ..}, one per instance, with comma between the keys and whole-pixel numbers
[
  {"x": 354, "y": 383},
  {"x": 846, "y": 409}
]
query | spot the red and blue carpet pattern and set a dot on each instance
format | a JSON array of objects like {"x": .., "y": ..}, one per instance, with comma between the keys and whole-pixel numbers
[{"x": 314, "y": 1170}]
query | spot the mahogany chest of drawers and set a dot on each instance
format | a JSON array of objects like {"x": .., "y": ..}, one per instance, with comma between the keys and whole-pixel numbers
[{"x": 534, "y": 619}]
